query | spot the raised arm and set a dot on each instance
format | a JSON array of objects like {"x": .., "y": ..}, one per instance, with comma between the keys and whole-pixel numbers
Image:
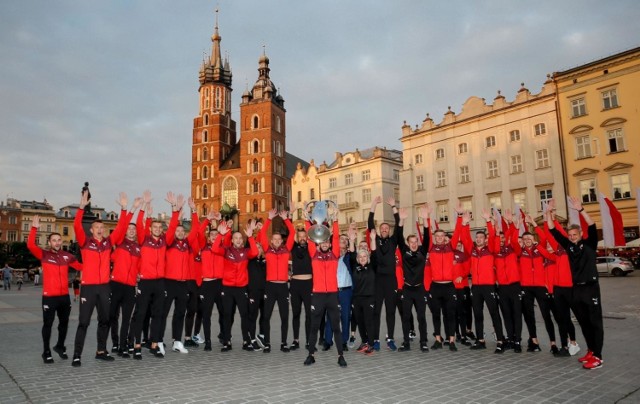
[
  {"x": 592, "y": 232},
  {"x": 311, "y": 245},
  {"x": 335, "y": 238},
  {"x": 176, "y": 206},
  {"x": 81, "y": 237},
  {"x": 398, "y": 232},
  {"x": 374, "y": 203},
  {"x": 425, "y": 214},
  {"x": 31, "y": 241},
  {"x": 248, "y": 231}
]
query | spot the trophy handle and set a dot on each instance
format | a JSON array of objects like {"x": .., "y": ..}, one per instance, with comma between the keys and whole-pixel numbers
[{"x": 306, "y": 209}]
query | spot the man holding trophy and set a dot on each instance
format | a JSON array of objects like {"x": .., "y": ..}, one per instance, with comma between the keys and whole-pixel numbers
[{"x": 324, "y": 250}]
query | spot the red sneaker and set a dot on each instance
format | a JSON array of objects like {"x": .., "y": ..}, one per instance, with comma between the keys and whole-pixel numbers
[
  {"x": 586, "y": 358},
  {"x": 594, "y": 363},
  {"x": 363, "y": 347}
]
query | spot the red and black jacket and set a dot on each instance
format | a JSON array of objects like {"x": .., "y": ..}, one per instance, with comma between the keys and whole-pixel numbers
[
  {"x": 325, "y": 264},
  {"x": 126, "y": 262},
  {"x": 506, "y": 260},
  {"x": 96, "y": 254},
  {"x": 153, "y": 250},
  {"x": 55, "y": 267},
  {"x": 564, "y": 278},
  {"x": 482, "y": 261},
  {"x": 236, "y": 261},
  {"x": 180, "y": 254},
  {"x": 277, "y": 258}
]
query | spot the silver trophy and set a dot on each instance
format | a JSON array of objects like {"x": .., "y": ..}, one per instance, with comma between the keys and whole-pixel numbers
[{"x": 322, "y": 215}]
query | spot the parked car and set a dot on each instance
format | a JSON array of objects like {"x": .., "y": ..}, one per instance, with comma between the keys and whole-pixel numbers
[{"x": 616, "y": 266}]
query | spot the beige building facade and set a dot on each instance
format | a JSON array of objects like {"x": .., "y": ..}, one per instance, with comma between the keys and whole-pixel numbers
[{"x": 489, "y": 155}]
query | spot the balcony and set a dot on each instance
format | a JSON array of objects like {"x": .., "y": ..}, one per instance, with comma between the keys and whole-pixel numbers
[{"x": 348, "y": 205}]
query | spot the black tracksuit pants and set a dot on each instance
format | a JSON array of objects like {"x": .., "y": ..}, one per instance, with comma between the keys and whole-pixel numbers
[
  {"x": 443, "y": 299},
  {"x": 481, "y": 295},
  {"x": 321, "y": 303},
  {"x": 530, "y": 295},
  {"x": 414, "y": 296},
  {"x": 386, "y": 286},
  {"x": 562, "y": 297},
  {"x": 52, "y": 306},
  {"x": 400, "y": 312},
  {"x": 511, "y": 305},
  {"x": 123, "y": 298},
  {"x": 363, "y": 310},
  {"x": 256, "y": 310},
  {"x": 93, "y": 296},
  {"x": 232, "y": 297},
  {"x": 464, "y": 311},
  {"x": 276, "y": 292},
  {"x": 300, "y": 292},
  {"x": 587, "y": 306},
  {"x": 211, "y": 292},
  {"x": 150, "y": 298},
  {"x": 176, "y": 291},
  {"x": 193, "y": 299}
]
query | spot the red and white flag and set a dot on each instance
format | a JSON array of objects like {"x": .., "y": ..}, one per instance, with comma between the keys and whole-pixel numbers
[
  {"x": 612, "y": 227},
  {"x": 520, "y": 213},
  {"x": 498, "y": 216}
]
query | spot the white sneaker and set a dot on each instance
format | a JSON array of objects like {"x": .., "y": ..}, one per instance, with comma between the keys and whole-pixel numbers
[
  {"x": 161, "y": 348},
  {"x": 574, "y": 348},
  {"x": 178, "y": 347},
  {"x": 198, "y": 339}
]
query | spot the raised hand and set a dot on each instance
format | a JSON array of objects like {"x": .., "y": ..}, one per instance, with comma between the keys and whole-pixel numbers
[
  {"x": 146, "y": 196},
  {"x": 424, "y": 211},
  {"x": 551, "y": 205},
  {"x": 84, "y": 199},
  {"x": 180, "y": 201},
  {"x": 529, "y": 219},
  {"x": 210, "y": 216},
  {"x": 458, "y": 208},
  {"x": 171, "y": 198},
  {"x": 403, "y": 213},
  {"x": 376, "y": 200},
  {"x": 123, "y": 201},
  {"x": 507, "y": 215},
  {"x": 466, "y": 218},
  {"x": 223, "y": 229},
  {"x": 259, "y": 226},
  {"x": 273, "y": 213},
  {"x": 191, "y": 203},
  {"x": 486, "y": 214},
  {"x": 137, "y": 203},
  {"x": 149, "y": 211},
  {"x": 391, "y": 201},
  {"x": 250, "y": 227},
  {"x": 217, "y": 215},
  {"x": 352, "y": 232},
  {"x": 35, "y": 221},
  {"x": 574, "y": 203},
  {"x": 284, "y": 214}
]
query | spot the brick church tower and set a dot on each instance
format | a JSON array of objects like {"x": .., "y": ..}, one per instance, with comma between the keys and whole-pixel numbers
[{"x": 242, "y": 178}]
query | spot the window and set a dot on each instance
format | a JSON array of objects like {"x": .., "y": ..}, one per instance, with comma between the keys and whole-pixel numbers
[
  {"x": 609, "y": 99},
  {"x": 495, "y": 201},
  {"x": 299, "y": 196},
  {"x": 419, "y": 182},
  {"x": 540, "y": 129},
  {"x": 312, "y": 194},
  {"x": 516, "y": 164},
  {"x": 588, "y": 190},
  {"x": 396, "y": 175},
  {"x": 418, "y": 158},
  {"x": 25, "y": 227},
  {"x": 205, "y": 153},
  {"x": 542, "y": 158},
  {"x": 464, "y": 174},
  {"x": 348, "y": 179},
  {"x": 439, "y": 154},
  {"x": 348, "y": 197},
  {"x": 205, "y": 136},
  {"x": 463, "y": 148},
  {"x": 255, "y": 122},
  {"x": 333, "y": 182},
  {"x": 441, "y": 178},
  {"x": 396, "y": 195},
  {"x": 49, "y": 227},
  {"x": 278, "y": 127},
  {"x": 65, "y": 231},
  {"x": 205, "y": 192},
  {"x": 366, "y": 175},
  {"x": 621, "y": 186},
  {"x": 490, "y": 141},
  {"x": 616, "y": 140},
  {"x": 256, "y": 147},
  {"x": 492, "y": 168},
  {"x": 583, "y": 147},
  {"x": 519, "y": 198},
  {"x": 205, "y": 173},
  {"x": 230, "y": 192},
  {"x": 14, "y": 219},
  {"x": 366, "y": 195},
  {"x": 255, "y": 166},
  {"x": 514, "y": 136},
  {"x": 442, "y": 210},
  {"x": 206, "y": 119},
  {"x": 578, "y": 107},
  {"x": 12, "y": 235},
  {"x": 256, "y": 188},
  {"x": 545, "y": 196},
  {"x": 333, "y": 198}
]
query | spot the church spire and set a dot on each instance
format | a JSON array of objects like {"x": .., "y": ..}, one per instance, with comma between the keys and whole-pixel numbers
[
  {"x": 216, "y": 56},
  {"x": 216, "y": 70}
]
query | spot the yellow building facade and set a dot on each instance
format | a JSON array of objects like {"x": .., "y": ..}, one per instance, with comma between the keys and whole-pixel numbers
[{"x": 599, "y": 122}]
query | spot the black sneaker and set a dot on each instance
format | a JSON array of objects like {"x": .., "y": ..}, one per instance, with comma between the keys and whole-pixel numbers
[
  {"x": 123, "y": 353},
  {"x": 310, "y": 360},
  {"x": 405, "y": 346},
  {"x": 246, "y": 346},
  {"x": 294, "y": 345},
  {"x": 554, "y": 350},
  {"x": 424, "y": 347},
  {"x": 499, "y": 348},
  {"x": 342, "y": 362},
  {"x": 207, "y": 345},
  {"x": 156, "y": 352},
  {"x": 147, "y": 344},
  {"x": 479, "y": 345},
  {"x": 226, "y": 348},
  {"x": 562, "y": 353},
  {"x": 267, "y": 348},
  {"x": 533, "y": 347},
  {"x": 76, "y": 361},
  {"x": 345, "y": 348},
  {"x": 465, "y": 341},
  {"x": 255, "y": 345},
  {"x": 137, "y": 353},
  {"x": 61, "y": 351},
  {"x": 436, "y": 345},
  {"x": 517, "y": 348},
  {"x": 284, "y": 347},
  {"x": 130, "y": 348},
  {"x": 46, "y": 357},
  {"x": 189, "y": 343},
  {"x": 104, "y": 356},
  {"x": 471, "y": 335},
  {"x": 326, "y": 347},
  {"x": 452, "y": 346},
  {"x": 260, "y": 340},
  {"x": 115, "y": 349},
  {"x": 220, "y": 339},
  {"x": 412, "y": 334}
]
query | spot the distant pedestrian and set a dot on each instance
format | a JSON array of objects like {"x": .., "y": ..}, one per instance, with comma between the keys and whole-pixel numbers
[
  {"x": 36, "y": 277},
  {"x": 6, "y": 276},
  {"x": 20, "y": 281},
  {"x": 76, "y": 288}
]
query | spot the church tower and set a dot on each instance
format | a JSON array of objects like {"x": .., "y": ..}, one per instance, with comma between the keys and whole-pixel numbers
[
  {"x": 214, "y": 132},
  {"x": 262, "y": 147}
]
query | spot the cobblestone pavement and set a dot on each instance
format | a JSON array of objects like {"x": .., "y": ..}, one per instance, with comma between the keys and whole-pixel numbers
[{"x": 386, "y": 377}]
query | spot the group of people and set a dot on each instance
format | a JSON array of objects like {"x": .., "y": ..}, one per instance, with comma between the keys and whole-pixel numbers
[{"x": 136, "y": 274}]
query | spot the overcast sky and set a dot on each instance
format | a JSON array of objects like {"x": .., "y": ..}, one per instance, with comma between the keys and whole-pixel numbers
[{"x": 106, "y": 91}]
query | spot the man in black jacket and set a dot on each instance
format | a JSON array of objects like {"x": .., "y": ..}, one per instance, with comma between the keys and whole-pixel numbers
[{"x": 586, "y": 302}]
